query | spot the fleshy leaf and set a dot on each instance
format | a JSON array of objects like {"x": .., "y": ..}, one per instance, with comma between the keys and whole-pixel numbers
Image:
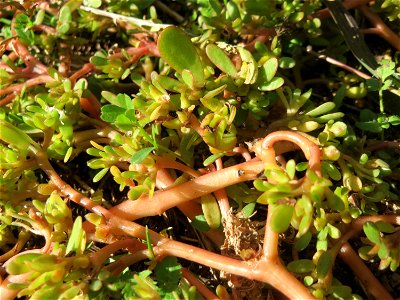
[
  {"x": 220, "y": 59},
  {"x": 179, "y": 52},
  {"x": 301, "y": 266},
  {"x": 372, "y": 232},
  {"x": 324, "y": 264},
  {"x": 281, "y": 217},
  {"x": 211, "y": 211},
  {"x": 141, "y": 155}
]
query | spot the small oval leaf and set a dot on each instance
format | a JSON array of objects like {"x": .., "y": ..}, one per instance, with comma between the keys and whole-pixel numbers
[
  {"x": 272, "y": 85},
  {"x": 179, "y": 52},
  {"x": 220, "y": 59},
  {"x": 324, "y": 264},
  {"x": 301, "y": 266},
  {"x": 211, "y": 211},
  {"x": 281, "y": 217},
  {"x": 269, "y": 68},
  {"x": 372, "y": 232}
]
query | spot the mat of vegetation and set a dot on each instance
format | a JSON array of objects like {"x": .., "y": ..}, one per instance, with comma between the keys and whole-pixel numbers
[{"x": 231, "y": 149}]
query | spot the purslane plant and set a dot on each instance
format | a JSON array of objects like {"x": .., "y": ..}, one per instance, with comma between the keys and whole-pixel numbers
[{"x": 182, "y": 117}]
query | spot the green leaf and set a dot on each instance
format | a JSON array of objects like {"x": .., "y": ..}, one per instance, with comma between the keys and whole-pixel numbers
[
  {"x": 18, "y": 265},
  {"x": 17, "y": 138},
  {"x": 43, "y": 263},
  {"x": 92, "y": 3},
  {"x": 77, "y": 239},
  {"x": 168, "y": 274},
  {"x": 65, "y": 19},
  {"x": 372, "y": 232},
  {"x": 149, "y": 245},
  {"x": 188, "y": 78},
  {"x": 232, "y": 11},
  {"x": 120, "y": 100},
  {"x": 199, "y": 222},
  {"x": 141, "y": 155},
  {"x": 100, "y": 175},
  {"x": 364, "y": 252},
  {"x": 269, "y": 68},
  {"x": 286, "y": 62},
  {"x": 209, "y": 8},
  {"x": 249, "y": 69},
  {"x": 56, "y": 210},
  {"x": 394, "y": 120},
  {"x": 303, "y": 241},
  {"x": 383, "y": 251},
  {"x": 301, "y": 266},
  {"x": 332, "y": 171},
  {"x": 341, "y": 292},
  {"x": 333, "y": 231},
  {"x": 276, "y": 175},
  {"x": 324, "y": 264},
  {"x": 291, "y": 168},
  {"x": 99, "y": 61},
  {"x": 371, "y": 126},
  {"x": 109, "y": 113},
  {"x": 22, "y": 28},
  {"x": 322, "y": 109},
  {"x": 385, "y": 227},
  {"x": 272, "y": 85},
  {"x": 178, "y": 51},
  {"x": 249, "y": 209},
  {"x": 221, "y": 60},
  {"x": 209, "y": 160},
  {"x": 339, "y": 129},
  {"x": 281, "y": 217},
  {"x": 211, "y": 210}
]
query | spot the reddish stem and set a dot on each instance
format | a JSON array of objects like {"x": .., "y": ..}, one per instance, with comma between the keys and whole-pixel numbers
[
  {"x": 383, "y": 30},
  {"x": 201, "y": 288},
  {"x": 367, "y": 278}
]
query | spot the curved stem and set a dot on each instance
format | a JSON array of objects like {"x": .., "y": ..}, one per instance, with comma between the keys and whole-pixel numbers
[
  {"x": 203, "y": 185},
  {"x": 311, "y": 150},
  {"x": 367, "y": 278},
  {"x": 384, "y": 31},
  {"x": 23, "y": 237},
  {"x": 100, "y": 256},
  {"x": 17, "y": 88}
]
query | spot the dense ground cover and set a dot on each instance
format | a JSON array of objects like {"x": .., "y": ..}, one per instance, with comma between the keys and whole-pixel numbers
[{"x": 204, "y": 148}]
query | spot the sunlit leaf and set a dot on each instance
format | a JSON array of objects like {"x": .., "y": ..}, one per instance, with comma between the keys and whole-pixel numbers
[
  {"x": 18, "y": 264},
  {"x": 322, "y": 109},
  {"x": 211, "y": 211},
  {"x": 220, "y": 59},
  {"x": 141, "y": 155},
  {"x": 372, "y": 232},
  {"x": 77, "y": 238},
  {"x": 178, "y": 51},
  {"x": 281, "y": 217}
]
